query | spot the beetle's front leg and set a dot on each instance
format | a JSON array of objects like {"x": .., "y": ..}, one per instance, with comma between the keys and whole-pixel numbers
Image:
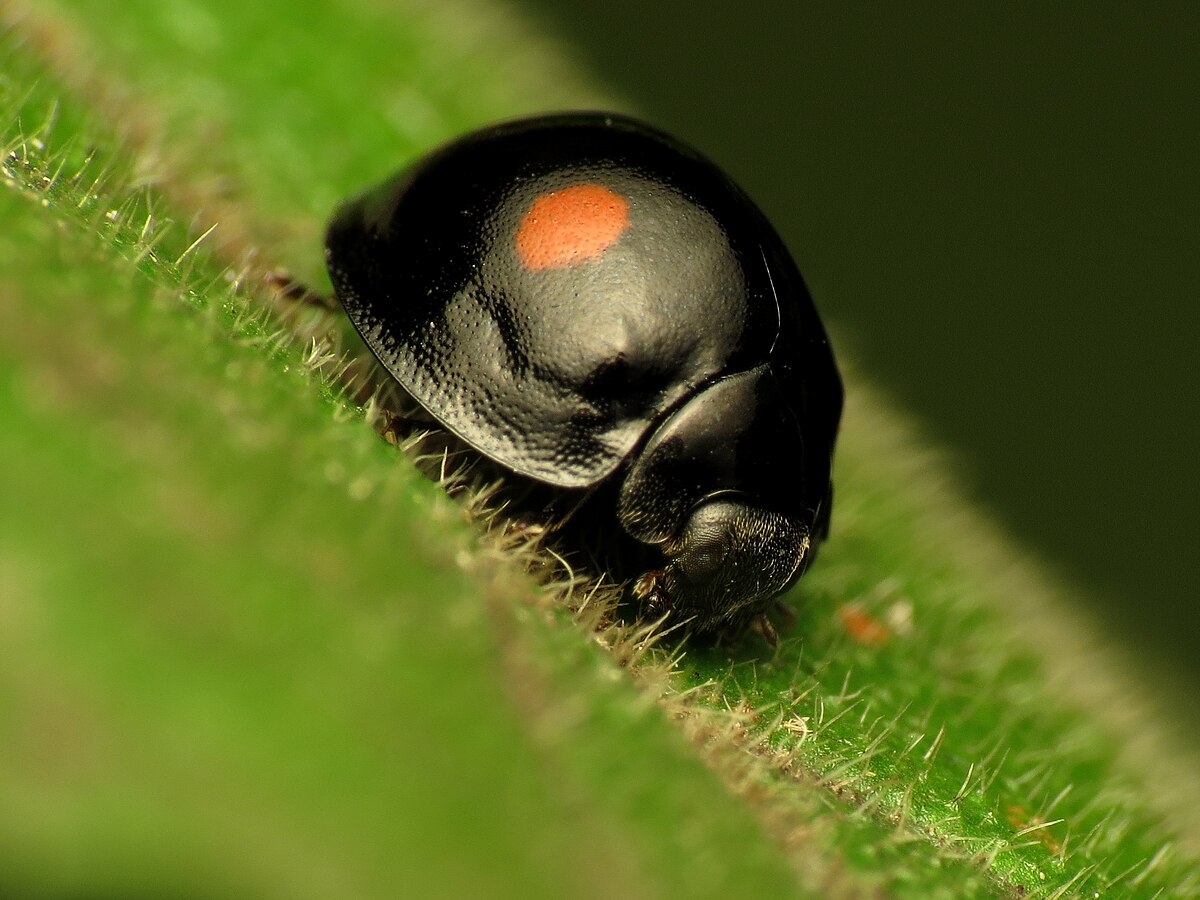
[{"x": 648, "y": 590}]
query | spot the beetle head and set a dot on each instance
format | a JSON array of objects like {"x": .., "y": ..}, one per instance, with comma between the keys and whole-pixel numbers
[{"x": 727, "y": 563}]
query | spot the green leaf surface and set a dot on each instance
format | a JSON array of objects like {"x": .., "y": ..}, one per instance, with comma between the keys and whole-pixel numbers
[{"x": 246, "y": 648}]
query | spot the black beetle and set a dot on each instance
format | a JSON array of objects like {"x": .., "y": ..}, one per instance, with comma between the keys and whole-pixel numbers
[{"x": 587, "y": 302}]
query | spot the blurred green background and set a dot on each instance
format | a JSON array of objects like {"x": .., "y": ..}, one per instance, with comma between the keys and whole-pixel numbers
[{"x": 997, "y": 209}]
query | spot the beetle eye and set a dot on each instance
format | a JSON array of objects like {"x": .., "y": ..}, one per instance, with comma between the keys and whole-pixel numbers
[{"x": 704, "y": 546}]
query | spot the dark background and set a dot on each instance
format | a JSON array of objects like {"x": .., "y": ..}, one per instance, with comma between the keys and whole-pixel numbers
[{"x": 997, "y": 209}]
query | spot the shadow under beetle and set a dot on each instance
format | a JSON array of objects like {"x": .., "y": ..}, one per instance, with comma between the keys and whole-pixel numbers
[{"x": 598, "y": 310}]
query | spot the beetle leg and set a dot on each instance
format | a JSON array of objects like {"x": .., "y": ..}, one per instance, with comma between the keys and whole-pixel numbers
[
  {"x": 280, "y": 281},
  {"x": 647, "y": 585},
  {"x": 395, "y": 427},
  {"x": 649, "y": 590},
  {"x": 763, "y": 625}
]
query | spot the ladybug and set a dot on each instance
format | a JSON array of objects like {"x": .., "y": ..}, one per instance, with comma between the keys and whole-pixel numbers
[{"x": 597, "y": 309}]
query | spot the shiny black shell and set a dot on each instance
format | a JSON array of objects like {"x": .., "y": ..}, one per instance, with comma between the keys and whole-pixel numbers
[{"x": 564, "y": 366}]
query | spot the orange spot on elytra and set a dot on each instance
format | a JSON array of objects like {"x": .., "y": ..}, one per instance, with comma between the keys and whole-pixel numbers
[
  {"x": 862, "y": 626},
  {"x": 570, "y": 226}
]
